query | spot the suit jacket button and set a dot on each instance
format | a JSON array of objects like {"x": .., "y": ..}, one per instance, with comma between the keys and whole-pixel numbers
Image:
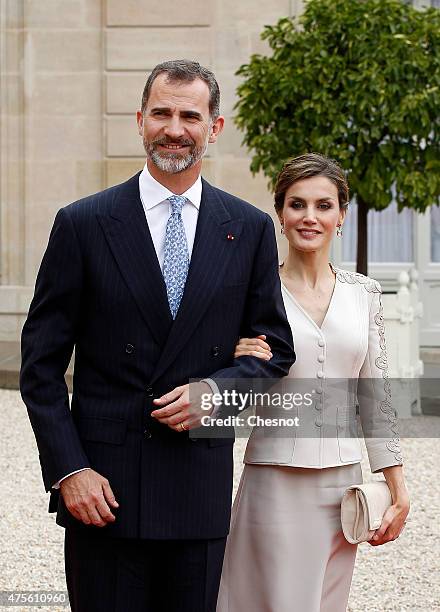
[
  {"x": 149, "y": 391},
  {"x": 215, "y": 351},
  {"x": 129, "y": 348},
  {"x": 147, "y": 434}
]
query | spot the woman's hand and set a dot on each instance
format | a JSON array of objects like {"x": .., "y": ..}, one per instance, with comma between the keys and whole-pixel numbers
[
  {"x": 394, "y": 518},
  {"x": 392, "y": 524},
  {"x": 255, "y": 347}
]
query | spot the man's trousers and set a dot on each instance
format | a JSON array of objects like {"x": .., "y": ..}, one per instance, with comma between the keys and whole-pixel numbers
[{"x": 106, "y": 574}]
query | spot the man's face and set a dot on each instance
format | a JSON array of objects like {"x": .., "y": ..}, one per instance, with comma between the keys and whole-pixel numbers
[{"x": 176, "y": 126}]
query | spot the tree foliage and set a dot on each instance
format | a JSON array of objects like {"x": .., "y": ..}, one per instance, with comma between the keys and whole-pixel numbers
[{"x": 358, "y": 80}]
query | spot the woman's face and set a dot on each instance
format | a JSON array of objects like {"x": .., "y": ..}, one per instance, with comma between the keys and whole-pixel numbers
[{"x": 311, "y": 213}]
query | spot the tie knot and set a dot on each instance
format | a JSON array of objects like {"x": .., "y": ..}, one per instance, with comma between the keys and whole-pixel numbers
[{"x": 177, "y": 203}]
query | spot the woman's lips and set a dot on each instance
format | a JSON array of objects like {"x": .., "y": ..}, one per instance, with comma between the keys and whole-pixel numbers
[{"x": 309, "y": 234}]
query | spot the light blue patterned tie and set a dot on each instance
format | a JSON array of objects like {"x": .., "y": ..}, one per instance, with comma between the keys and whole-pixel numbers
[{"x": 176, "y": 260}]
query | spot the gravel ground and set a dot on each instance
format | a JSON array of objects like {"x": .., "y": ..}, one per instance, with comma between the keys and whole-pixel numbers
[{"x": 403, "y": 575}]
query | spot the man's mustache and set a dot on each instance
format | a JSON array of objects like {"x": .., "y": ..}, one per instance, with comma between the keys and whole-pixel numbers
[{"x": 165, "y": 141}]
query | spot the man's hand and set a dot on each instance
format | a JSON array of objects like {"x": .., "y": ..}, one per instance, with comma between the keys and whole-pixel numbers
[
  {"x": 179, "y": 413},
  {"x": 88, "y": 497}
]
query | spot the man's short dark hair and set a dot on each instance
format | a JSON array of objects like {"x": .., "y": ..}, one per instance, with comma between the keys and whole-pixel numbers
[{"x": 185, "y": 71}]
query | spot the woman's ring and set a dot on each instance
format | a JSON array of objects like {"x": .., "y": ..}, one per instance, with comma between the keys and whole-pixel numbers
[{"x": 182, "y": 426}]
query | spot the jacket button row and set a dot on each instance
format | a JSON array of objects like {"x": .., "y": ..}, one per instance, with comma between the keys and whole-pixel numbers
[
  {"x": 320, "y": 374},
  {"x": 321, "y": 342},
  {"x": 321, "y": 358}
]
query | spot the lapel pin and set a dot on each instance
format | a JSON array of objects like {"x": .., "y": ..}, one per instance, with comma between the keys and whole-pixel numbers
[{"x": 230, "y": 237}]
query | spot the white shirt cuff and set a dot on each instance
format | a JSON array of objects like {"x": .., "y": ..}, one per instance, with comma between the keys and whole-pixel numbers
[
  {"x": 57, "y": 484},
  {"x": 215, "y": 390}
]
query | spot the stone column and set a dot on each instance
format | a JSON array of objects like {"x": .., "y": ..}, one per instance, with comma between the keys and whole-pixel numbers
[
  {"x": 51, "y": 132},
  {"x": 12, "y": 142}
]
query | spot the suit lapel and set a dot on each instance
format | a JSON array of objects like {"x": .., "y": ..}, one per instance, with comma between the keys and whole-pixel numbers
[
  {"x": 130, "y": 241},
  {"x": 209, "y": 261}
]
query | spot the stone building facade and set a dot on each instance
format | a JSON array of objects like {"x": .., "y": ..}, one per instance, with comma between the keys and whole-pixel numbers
[{"x": 71, "y": 78}]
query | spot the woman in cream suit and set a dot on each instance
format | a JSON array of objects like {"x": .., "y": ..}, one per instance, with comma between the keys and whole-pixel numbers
[{"x": 286, "y": 551}]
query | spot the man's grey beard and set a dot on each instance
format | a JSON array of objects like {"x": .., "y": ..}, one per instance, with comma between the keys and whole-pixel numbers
[{"x": 172, "y": 163}]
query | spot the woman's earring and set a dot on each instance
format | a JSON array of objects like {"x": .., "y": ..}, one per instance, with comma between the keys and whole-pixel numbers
[
  {"x": 339, "y": 230},
  {"x": 282, "y": 228}
]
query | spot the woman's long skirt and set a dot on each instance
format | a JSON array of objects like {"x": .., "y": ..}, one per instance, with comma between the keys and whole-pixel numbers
[{"x": 286, "y": 551}]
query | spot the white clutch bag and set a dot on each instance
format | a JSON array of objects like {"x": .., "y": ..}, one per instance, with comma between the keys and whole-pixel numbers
[{"x": 362, "y": 510}]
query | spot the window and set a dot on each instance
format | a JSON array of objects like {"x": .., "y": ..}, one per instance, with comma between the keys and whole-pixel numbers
[
  {"x": 390, "y": 235},
  {"x": 435, "y": 234},
  {"x": 423, "y": 3}
]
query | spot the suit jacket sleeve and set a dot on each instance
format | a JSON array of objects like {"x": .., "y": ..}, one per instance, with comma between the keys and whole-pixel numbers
[
  {"x": 264, "y": 314},
  {"x": 378, "y": 417},
  {"x": 47, "y": 343}
]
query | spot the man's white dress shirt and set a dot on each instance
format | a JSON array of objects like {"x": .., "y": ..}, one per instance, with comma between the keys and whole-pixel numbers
[{"x": 158, "y": 210}]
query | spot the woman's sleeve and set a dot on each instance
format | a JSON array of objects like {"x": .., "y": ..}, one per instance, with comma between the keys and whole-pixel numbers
[{"x": 378, "y": 417}]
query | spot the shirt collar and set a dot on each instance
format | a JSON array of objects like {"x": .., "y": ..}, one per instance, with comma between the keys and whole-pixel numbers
[{"x": 153, "y": 193}]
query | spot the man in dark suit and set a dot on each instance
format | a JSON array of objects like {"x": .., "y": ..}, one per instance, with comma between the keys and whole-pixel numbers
[{"x": 152, "y": 282}]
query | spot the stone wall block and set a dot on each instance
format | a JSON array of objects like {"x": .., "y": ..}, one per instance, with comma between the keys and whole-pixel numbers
[
  {"x": 235, "y": 176},
  {"x": 120, "y": 170},
  {"x": 143, "y": 48},
  {"x": 88, "y": 176},
  {"x": 232, "y": 48},
  {"x": 229, "y": 143},
  {"x": 124, "y": 91},
  {"x": 123, "y": 139},
  {"x": 65, "y": 94},
  {"x": 62, "y": 14},
  {"x": 245, "y": 16},
  {"x": 150, "y": 13},
  {"x": 65, "y": 51},
  {"x": 55, "y": 138}
]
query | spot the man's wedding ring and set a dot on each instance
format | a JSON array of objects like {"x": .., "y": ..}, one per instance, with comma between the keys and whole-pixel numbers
[{"x": 182, "y": 426}]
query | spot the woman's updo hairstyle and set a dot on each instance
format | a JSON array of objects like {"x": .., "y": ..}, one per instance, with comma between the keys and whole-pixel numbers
[{"x": 306, "y": 166}]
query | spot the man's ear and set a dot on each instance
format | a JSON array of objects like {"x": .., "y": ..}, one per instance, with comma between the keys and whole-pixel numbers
[
  {"x": 140, "y": 122},
  {"x": 216, "y": 128}
]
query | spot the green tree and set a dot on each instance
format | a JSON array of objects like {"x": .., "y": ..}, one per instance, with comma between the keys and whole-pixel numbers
[{"x": 359, "y": 81}]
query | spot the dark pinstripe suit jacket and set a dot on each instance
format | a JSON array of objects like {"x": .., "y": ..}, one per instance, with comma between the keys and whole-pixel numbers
[{"x": 100, "y": 289}]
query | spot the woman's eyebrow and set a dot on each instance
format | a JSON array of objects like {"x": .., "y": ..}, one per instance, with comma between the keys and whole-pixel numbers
[{"x": 294, "y": 197}]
